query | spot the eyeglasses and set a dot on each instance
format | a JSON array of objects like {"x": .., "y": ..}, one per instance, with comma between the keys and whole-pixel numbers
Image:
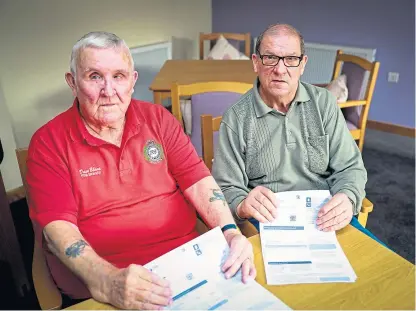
[{"x": 288, "y": 61}]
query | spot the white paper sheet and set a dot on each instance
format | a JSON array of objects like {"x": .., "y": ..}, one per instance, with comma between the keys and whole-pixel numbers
[
  {"x": 194, "y": 272},
  {"x": 294, "y": 250}
]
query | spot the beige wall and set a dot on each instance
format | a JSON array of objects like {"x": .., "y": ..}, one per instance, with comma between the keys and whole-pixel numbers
[{"x": 37, "y": 37}]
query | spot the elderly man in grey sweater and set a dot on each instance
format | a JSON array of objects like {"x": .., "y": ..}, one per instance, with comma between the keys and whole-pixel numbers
[{"x": 287, "y": 135}]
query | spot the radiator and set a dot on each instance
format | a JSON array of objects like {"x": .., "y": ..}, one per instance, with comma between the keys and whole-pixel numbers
[
  {"x": 148, "y": 60},
  {"x": 321, "y": 60}
]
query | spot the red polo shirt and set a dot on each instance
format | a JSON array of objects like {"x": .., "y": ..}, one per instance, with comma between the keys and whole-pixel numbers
[{"x": 127, "y": 202}]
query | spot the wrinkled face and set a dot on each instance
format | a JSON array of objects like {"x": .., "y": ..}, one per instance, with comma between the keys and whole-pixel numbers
[
  {"x": 279, "y": 81},
  {"x": 103, "y": 84}
]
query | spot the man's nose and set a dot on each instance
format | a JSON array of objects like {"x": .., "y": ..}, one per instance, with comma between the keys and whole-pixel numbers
[
  {"x": 280, "y": 67},
  {"x": 108, "y": 89}
]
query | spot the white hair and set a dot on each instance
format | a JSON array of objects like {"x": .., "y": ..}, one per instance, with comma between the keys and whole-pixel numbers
[{"x": 98, "y": 40}]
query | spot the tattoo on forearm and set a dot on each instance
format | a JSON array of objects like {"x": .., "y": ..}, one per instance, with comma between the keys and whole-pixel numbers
[
  {"x": 217, "y": 195},
  {"x": 76, "y": 249}
]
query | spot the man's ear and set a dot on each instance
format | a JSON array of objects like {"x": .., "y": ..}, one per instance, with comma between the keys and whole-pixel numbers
[
  {"x": 70, "y": 79},
  {"x": 304, "y": 61},
  {"x": 254, "y": 59}
]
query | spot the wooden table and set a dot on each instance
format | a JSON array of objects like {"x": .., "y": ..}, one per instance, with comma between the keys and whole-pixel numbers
[
  {"x": 384, "y": 280},
  {"x": 191, "y": 71}
]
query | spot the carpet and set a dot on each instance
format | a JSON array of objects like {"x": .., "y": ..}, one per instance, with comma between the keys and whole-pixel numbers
[{"x": 391, "y": 188}]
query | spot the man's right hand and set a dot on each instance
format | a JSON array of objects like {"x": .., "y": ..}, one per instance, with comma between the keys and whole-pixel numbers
[
  {"x": 261, "y": 204},
  {"x": 136, "y": 288}
]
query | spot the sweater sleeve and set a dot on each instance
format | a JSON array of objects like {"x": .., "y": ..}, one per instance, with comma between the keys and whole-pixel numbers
[{"x": 349, "y": 175}]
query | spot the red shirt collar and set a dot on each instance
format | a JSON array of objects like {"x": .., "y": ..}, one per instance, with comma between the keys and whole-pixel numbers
[{"x": 79, "y": 133}]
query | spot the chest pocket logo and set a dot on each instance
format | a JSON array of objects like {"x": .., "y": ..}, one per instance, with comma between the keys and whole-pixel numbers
[{"x": 153, "y": 152}]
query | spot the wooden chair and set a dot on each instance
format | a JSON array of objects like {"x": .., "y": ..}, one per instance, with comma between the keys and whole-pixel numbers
[
  {"x": 246, "y": 37},
  {"x": 210, "y": 125},
  {"x": 209, "y": 97},
  {"x": 206, "y": 98},
  {"x": 48, "y": 294},
  {"x": 356, "y": 108}
]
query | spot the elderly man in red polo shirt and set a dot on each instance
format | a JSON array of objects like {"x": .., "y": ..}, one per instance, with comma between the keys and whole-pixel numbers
[{"x": 114, "y": 182}]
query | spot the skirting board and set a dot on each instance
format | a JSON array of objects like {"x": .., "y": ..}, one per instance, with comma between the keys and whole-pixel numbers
[{"x": 391, "y": 128}]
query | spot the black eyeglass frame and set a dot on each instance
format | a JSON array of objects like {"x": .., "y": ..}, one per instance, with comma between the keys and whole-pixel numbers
[{"x": 300, "y": 58}]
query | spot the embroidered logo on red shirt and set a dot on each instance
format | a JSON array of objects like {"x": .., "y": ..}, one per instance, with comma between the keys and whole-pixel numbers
[
  {"x": 92, "y": 171},
  {"x": 153, "y": 152}
]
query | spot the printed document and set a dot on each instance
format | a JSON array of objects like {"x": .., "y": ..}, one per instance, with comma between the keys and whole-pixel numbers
[
  {"x": 197, "y": 282},
  {"x": 294, "y": 250}
]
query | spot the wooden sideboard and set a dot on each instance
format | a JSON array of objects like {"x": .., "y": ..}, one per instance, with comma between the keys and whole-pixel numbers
[{"x": 10, "y": 252}]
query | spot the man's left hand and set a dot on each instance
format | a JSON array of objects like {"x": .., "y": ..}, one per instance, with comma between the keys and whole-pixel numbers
[
  {"x": 241, "y": 255},
  {"x": 335, "y": 214}
]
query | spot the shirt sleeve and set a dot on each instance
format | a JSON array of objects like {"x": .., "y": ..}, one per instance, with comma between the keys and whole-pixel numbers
[
  {"x": 349, "y": 175},
  {"x": 186, "y": 167},
  {"x": 229, "y": 165},
  {"x": 49, "y": 190}
]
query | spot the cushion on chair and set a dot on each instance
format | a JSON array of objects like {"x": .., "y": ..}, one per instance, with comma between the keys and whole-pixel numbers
[
  {"x": 338, "y": 87},
  {"x": 224, "y": 50},
  {"x": 186, "y": 114},
  {"x": 215, "y": 104},
  {"x": 357, "y": 78},
  {"x": 243, "y": 56},
  {"x": 350, "y": 125}
]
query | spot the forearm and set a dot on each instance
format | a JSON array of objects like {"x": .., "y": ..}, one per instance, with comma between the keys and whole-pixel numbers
[
  {"x": 210, "y": 203},
  {"x": 66, "y": 242}
]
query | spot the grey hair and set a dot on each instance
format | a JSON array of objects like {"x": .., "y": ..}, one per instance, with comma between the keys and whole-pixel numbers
[
  {"x": 280, "y": 28},
  {"x": 97, "y": 40}
]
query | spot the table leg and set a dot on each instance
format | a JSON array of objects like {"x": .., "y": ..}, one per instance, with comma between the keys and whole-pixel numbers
[{"x": 157, "y": 98}]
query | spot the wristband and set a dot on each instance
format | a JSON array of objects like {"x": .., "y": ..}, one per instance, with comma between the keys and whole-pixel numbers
[{"x": 229, "y": 226}]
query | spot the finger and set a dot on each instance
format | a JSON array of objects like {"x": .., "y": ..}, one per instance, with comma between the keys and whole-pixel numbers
[
  {"x": 155, "y": 288},
  {"x": 253, "y": 271},
  {"x": 335, "y": 201},
  {"x": 248, "y": 271},
  {"x": 258, "y": 205},
  {"x": 338, "y": 210},
  {"x": 270, "y": 195},
  {"x": 256, "y": 214},
  {"x": 235, "y": 252},
  {"x": 333, "y": 221},
  {"x": 143, "y": 305},
  {"x": 153, "y": 298},
  {"x": 259, "y": 217},
  {"x": 245, "y": 270},
  {"x": 338, "y": 226},
  {"x": 270, "y": 207},
  {"x": 231, "y": 271},
  {"x": 150, "y": 276}
]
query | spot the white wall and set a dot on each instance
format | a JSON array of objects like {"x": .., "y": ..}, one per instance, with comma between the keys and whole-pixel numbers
[{"x": 36, "y": 38}]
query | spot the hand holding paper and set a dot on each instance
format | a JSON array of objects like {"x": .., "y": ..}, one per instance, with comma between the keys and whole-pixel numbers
[
  {"x": 260, "y": 204},
  {"x": 241, "y": 255},
  {"x": 194, "y": 271},
  {"x": 294, "y": 250},
  {"x": 135, "y": 287},
  {"x": 335, "y": 214}
]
